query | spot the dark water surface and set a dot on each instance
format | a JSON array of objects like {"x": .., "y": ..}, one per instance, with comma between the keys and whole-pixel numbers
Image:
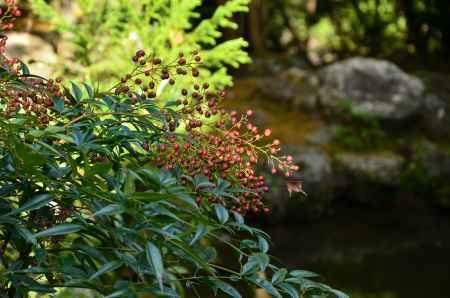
[{"x": 369, "y": 253}]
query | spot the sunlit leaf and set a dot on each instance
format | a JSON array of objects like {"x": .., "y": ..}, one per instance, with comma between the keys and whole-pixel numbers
[
  {"x": 226, "y": 288},
  {"x": 279, "y": 276},
  {"x": 199, "y": 233},
  {"x": 154, "y": 258},
  {"x": 221, "y": 213},
  {"x": 266, "y": 285},
  {"x": 57, "y": 230},
  {"x": 33, "y": 204},
  {"x": 112, "y": 209},
  {"x": 110, "y": 266},
  {"x": 76, "y": 92}
]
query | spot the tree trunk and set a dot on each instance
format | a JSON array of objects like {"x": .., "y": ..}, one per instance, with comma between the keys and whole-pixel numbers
[{"x": 256, "y": 27}]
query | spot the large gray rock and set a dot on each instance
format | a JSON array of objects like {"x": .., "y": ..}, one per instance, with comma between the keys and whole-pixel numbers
[
  {"x": 32, "y": 50},
  {"x": 294, "y": 86},
  {"x": 380, "y": 167},
  {"x": 371, "y": 86}
]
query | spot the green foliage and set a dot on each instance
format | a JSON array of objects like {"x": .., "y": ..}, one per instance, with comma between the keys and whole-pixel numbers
[
  {"x": 106, "y": 32},
  {"x": 96, "y": 192},
  {"x": 359, "y": 131},
  {"x": 339, "y": 28},
  {"x": 118, "y": 225},
  {"x": 83, "y": 204}
]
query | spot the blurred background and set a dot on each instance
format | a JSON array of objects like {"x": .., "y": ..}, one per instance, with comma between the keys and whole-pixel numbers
[{"x": 357, "y": 90}]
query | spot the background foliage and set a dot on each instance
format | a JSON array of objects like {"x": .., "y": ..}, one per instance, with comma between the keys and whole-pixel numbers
[{"x": 105, "y": 32}]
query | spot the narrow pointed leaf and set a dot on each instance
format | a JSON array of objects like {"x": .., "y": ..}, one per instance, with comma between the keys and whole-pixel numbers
[
  {"x": 35, "y": 203},
  {"x": 289, "y": 289},
  {"x": 62, "y": 229},
  {"x": 199, "y": 233},
  {"x": 226, "y": 288},
  {"x": 154, "y": 258},
  {"x": 77, "y": 93},
  {"x": 27, "y": 235},
  {"x": 89, "y": 90},
  {"x": 112, "y": 209},
  {"x": 262, "y": 283},
  {"x": 263, "y": 244},
  {"x": 279, "y": 276},
  {"x": 303, "y": 274},
  {"x": 108, "y": 267},
  {"x": 221, "y": 213}
]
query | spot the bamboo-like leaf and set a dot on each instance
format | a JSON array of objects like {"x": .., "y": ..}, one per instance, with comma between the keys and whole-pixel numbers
[
  {"x": 110, "y": 266},
  {"x": 62, "y": 229},
  {"x": 266, "y": 285},
  {"x": 289, "y": 289},
  {"x": 77, "y": 93},
  {"x": 154, "y": 258},
  {"x": 33, "y": 204},
  {"x": 112, "y": 209},
  {"x": 221, "y": 213},
  {"x": 27, "y": 235},
  {"x": 199, "y": 233},
  {"x": 279, "y": 276},
  {"x": 226, "y": 288},
  {"x": 263, "y": 244},
  {"x": 89, "y": 90}
]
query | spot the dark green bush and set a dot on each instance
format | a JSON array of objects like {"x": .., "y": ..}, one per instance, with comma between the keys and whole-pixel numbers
[{"x": 122, "y": 193}]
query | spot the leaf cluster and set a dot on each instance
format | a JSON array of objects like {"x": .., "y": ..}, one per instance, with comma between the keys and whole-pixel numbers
[{"x": 104, "y": 33}]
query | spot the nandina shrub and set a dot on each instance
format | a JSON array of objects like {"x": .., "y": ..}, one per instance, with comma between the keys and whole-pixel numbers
[{"x": 113, "y": 191}]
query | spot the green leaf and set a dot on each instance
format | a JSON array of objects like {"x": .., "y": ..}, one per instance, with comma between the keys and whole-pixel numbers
[
  {"x": 279, "y": 276},
  {"x": 193, "y": 256},
  {"x": 289, "y": 289},
  {"x": 112, "y": 209},
  {"x": 221, "y": 213},
  {"x": 110, "y": 266},
  {"x": 9, "y": 220},
  {"x": 259, "y": 260},
  {"x": 199, "y": 233},
  {"x": 24, "y": 68},
  {"x": 27, "y": 235},
  {"x": 226, "y": 288},
  {"x": 263, "y": 244},
  {"x": 150, "y": 196},
  {"x": 58, "y": 104},
  {"x": 303, "y": 274},
  {"x": 77, "y": 93},
  {"x": 154, "y": 258},
  {"x": 262, "y": 283},
  {"x": 339, "y": 294},
  {"x": 250, "y": 266},
  {"x": 238, "y": 218},
  {"x": 62, "y": 229},
  {"x": 119, "y": 293},
  {"x": 89, "y": 90},
  {"x": 202, "y": 182},
  {"x": 33, "y": 204}
]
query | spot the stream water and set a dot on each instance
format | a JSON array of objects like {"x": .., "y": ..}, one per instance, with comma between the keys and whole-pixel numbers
[{"x": 371, "y": 253}]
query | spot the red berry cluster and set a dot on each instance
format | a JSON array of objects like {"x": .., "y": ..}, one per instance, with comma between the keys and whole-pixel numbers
[
  {"x": 34, "y": 96},
  {"x": 36, "y": 99},
  {"x": 150, "y": 71},
  {"x": 8, "y": 14},
  {"x": 216, "y": 144}
]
